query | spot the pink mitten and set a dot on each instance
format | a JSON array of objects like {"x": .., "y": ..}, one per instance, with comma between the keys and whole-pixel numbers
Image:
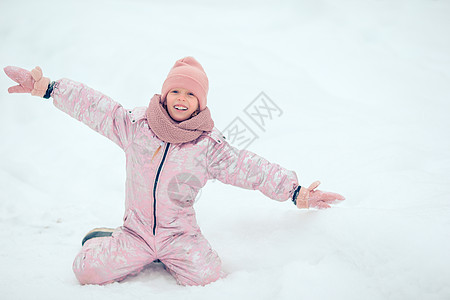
[
  {"x": 28, "y": 82},
  {"x": 320, "y": 199},
  {"x": 309, "y": 197}
]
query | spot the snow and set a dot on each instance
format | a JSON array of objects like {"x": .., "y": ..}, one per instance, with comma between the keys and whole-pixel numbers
[{"x": 363, "y": 86}]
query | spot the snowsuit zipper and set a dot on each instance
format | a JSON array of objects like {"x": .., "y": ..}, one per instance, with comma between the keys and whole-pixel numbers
[{"x": 154, "y": 187}]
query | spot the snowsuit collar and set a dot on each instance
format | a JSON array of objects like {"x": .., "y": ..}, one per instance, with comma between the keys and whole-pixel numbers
[{"x": 171, "y": 131}]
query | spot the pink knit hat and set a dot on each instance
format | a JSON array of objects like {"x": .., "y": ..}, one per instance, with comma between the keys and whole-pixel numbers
[{"x": 187, "y": 73}]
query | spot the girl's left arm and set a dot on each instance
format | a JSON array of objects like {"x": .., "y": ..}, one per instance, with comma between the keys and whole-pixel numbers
[{"x": 248, "y": 170}]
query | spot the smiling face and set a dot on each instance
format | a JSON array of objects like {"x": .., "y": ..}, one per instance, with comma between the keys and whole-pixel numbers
[{"x": 181, "y": 103}]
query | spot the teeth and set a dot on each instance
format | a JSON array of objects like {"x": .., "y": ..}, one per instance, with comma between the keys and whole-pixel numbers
[{"x": 180, "y": 107}]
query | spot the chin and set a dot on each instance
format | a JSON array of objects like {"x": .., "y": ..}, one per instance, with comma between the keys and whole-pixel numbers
[{"x": 178, "y": 119}]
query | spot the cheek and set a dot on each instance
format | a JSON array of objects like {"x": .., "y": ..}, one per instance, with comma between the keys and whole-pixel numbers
[
  {"x": 169, "y": 99},
  {"x": 194, "y": 104}
]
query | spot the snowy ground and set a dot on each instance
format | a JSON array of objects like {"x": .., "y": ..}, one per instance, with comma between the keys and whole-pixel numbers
[{"x": 364, "y": 89}]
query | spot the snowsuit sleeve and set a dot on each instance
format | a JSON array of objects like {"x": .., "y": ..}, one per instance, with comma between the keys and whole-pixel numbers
[
  {"x": 247, "y": 170},
  {"x": 94, "y": 109}
]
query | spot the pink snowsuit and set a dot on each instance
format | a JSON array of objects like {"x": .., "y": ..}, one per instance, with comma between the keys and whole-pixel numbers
[{"x": 162, "y": 181}]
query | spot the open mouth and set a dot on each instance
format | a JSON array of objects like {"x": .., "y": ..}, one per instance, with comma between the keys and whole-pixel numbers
[{"x": 180, "y": 107}]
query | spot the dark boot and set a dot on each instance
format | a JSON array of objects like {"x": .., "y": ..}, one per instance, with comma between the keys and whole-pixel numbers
[{"x": 97, "y": 232}]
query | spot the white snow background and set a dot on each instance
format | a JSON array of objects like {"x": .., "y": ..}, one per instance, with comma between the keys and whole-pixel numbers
[{"x": 364, "y": 87}]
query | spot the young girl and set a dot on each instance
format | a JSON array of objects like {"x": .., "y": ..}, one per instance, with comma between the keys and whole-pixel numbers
[{"x": 172, "y": 149}]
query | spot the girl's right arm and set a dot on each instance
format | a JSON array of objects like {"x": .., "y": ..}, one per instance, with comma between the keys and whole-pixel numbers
[
  {"x": 87, "y": 105},
  {"x": 94, "y": 109}
]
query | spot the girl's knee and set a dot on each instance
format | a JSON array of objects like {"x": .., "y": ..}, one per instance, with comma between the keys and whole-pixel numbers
[
  {"x": 199, "y": 279},
  {"x": 210, "y": 277},
  {"x": 91, "y": 267},
  {"x": 86, "y": 270},
  {"x": 201, "y": 274},
  {"x": 101, "y": 262}
]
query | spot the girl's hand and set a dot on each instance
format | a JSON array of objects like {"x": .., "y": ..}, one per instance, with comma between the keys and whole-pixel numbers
[
  {"x": 309, "y": 197},
  {"x": 28, "y": 82}
]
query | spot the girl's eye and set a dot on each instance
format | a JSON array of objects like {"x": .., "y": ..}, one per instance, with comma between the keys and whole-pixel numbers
[
  {"x": 174, "y": 91},
  {"x": 190, "y": 94}
]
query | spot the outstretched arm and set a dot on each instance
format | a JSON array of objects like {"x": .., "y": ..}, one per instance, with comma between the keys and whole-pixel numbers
[
  {"x": 310, "y": 197},
  {"x": 248, "y": 170},
  {"x": 87, "y": 105}
]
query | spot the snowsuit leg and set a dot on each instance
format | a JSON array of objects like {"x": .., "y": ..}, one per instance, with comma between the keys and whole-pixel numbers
[
  {"x": 108, "y": 259},
  {"x": 190, "y": 259}
]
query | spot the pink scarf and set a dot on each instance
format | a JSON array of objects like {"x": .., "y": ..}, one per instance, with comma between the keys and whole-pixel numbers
[{"x": 171, "y": 131}]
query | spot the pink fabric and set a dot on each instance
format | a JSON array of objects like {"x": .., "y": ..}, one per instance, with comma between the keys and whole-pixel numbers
[
  {"x": 41, "y": 83},
  {"x": 303, "y": 195},
  {"x": 320, "y": 199},
  {"x": 159, "y": 220},
  {"x": 189, "y": 258},
  {"x": 310, "y": 197},
  {"x": 171, "y": 131},
  {"x": 187, "y": 73},
  {"x": 28, "y": 82}
]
